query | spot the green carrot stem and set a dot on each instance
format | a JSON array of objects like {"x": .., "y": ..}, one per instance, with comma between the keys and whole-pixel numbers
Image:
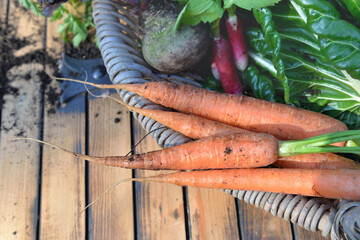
[
  {"x": 319, "y": 144},
  {"x": 329, "y": 149}
]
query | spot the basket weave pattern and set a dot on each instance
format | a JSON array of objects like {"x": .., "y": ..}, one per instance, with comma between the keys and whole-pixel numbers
[{"x": 120, "y": 35}]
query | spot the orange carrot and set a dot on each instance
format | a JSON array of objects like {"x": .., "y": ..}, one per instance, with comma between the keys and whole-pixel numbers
[
  {"x": 242, "y": 150},
  {"x": 282, "y": 121},
  {"x": 191, "y": 126},
  {"x": 197, "y": 127},
  {"x": 339, "y": 184},
  {"x": 317, "y": 161}
]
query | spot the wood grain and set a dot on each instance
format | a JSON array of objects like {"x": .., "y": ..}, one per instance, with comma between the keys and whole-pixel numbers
[
  {"x": 3, "y": 10},
  {"x": 112, "y": 216},
  {"x": 258, "y": 224},
  {"x": 20, "y": 161},
  {"x": 63, "y": 177},
  {"x": 302, "y": 234},
  {"x": 212, "y": 214},
  {"x": 159, "y": 207}
]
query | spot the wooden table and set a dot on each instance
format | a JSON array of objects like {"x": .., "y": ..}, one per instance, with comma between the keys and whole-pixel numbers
[{"x": 44, "y": 191}]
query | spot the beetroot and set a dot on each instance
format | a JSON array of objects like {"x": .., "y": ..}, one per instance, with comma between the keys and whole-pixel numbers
[{"x": 169, "y": 50}]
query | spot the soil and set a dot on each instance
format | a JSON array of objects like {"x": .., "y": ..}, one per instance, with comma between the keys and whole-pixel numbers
[
  {"x": 8, "y": 40},
  {"x": 9, "y": 43},
  {"x": 86, "y": 50}
]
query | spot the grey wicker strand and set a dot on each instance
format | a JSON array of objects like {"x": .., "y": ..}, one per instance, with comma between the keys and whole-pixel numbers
[
  {"x": 340, "y": 219},
  {"x": 347, "y": 221},
  {"x": 118, "y": 33}
]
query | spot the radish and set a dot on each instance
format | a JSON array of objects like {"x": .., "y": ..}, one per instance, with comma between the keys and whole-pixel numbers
[
  {"x": 214, "y": 70},
  {"x": 236, "y": 35},
  {"x": 224, "y": 62}
]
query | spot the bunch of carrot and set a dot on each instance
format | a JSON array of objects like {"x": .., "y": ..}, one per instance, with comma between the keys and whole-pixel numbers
[{"x": 237, "y": 135}]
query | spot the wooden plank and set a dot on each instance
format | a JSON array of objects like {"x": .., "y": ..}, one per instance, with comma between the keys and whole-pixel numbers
[
  {"x": 212, "y": 214},
  {"x": 112, "y": 216},
  {"x": 27, "y": 25},
  {"x": 63, "y": 177},
  {"x": 159, "y": 207},
  {"x": 302, "y": 234},
  {"x": 258, "y": 224},
  {"x": 20, "y": 161},
  {"x": 3, "y": 9}
]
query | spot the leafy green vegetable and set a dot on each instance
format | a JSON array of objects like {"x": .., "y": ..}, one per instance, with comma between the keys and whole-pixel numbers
[
  {"x": 196, "y": 11},
  {"x": 353, "y": 7},
  {"x": 77, "y": 22},
  {"x": 261, "y": 85},
  {"x": 316, "y": 78},
  {"x": 212, "y": 84},
  {"x": 339, "y": 40},
  {"x": 34, "y": 6},
  {"x": 272, "y": 37},
  {"x": 249, "y": 5},
  {"x": 207, "y": 11}
]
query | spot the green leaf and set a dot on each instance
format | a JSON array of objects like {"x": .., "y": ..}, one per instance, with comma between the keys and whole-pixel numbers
[
  {"x": 354, "y": 7},
  {"x": 212, "y": 84},
  {"x": 196, "y": 11},
  {"x": 264, "y": 18},
  {"x": 34, "y": 6},
  {"x": 315, "y": 82},
  {"x": 249, "y": 5},
  {"x": 77, "y": 39},
  {"x": 338, "y": 39},
  {"x": 261, "y": 85}
]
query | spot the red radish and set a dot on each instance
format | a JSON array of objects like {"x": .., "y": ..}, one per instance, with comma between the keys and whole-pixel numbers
[
  {"x": 214, "y": 70},
  {"x": 224, "y": 63},
  {"x": 236, "y": 35}
]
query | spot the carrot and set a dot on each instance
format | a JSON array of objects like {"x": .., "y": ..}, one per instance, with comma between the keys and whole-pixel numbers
[
  {"x": 316, "y": 161},
  {"x": 282, "y": 121},
  {"x": 243, "y": 150},
  {"x": 191, "y": 126},
  {"x": 197, "y": 127},
  {"x": 339, "y": 184}
]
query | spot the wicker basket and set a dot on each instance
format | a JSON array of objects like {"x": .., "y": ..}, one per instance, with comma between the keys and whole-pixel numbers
[{"x": 118, "y": 32}]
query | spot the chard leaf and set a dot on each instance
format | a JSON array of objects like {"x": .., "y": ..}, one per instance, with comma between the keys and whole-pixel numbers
[
  {"x": 315, "y": 82},
  {"x": 249, "y": 5},
  {"x": 264, "y": 18},
  {"x": 354, "y": 7},
  {"x": 339, "y": 40},
  {"x": 261, "y": 85}
]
